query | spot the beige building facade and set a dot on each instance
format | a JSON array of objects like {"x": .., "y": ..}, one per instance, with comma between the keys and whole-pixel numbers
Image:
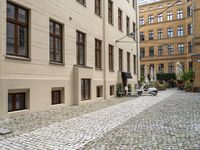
[
  {"x": 57, "y": 53},
  {"x": 166, "y": 32}
]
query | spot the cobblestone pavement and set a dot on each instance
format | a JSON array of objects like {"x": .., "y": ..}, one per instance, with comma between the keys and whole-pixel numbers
[
  {"x": 76, "y": 132},
  {"x": 30, "y": 122},
  {"x": 173, "y": 124}
]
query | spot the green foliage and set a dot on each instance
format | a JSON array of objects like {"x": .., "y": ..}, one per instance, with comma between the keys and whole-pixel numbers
[
  {"x": 130, "y": 88},
  {"x": 166, "y": 76},
  {"x": 119, "y": 87},
  {"x": 159, "y": 86},
  {"x": 187, "y": 76},
  {"x": 142, "y": 78},
  {"x": 188, "y": 86}
]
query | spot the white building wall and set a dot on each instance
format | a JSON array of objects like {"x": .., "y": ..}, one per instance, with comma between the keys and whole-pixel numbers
[{"x": 37, "y": 75}]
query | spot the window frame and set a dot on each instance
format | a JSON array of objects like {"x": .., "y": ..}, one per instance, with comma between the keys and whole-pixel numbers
[
  {"x": 97, "y": 7},
  {"x": 111, "y": 57},
  {"x": 23, "y": 107},
  {"x": 120, "y": 59},
  {"x": 78, "y": 45},
  {"x": 17, "y": 24},
  {"x": 98, "y": 54},
  {"x": 110, "y": 12},
  {"x": 55, "y": 36}
]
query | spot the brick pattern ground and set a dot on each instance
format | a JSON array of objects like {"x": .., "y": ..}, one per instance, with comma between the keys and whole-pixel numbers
[
  {"x": 76, "y": 132},
  {"x": 173, "y": 124}
]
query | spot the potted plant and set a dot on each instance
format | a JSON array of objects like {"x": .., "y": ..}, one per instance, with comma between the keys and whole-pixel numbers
[
  {"x": 129, "y": 89},
  {"x": 120, "y": 91},
  {"x": 188, "y": 87}
]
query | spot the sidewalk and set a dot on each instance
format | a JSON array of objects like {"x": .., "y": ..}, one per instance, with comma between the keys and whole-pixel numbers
[{"x": 76, "y": 132}]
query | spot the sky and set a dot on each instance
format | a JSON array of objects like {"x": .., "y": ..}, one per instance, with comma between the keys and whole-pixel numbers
[{"x": 146, "y": 1}]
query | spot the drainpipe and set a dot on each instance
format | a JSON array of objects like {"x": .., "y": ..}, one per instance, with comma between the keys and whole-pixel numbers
[
  {"x": 137, "y": 45},
  {"x": 104, "y": 47}
]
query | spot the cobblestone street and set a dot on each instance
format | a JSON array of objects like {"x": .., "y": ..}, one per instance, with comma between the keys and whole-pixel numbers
[{"x": 170, "y": 120}]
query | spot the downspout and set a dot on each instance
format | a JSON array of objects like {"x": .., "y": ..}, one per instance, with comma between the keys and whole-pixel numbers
[
  {"x": 137, "y": 45},
  {"x": 104, "y": 49}
]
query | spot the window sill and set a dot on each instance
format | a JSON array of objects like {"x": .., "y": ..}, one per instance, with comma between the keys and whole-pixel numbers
[
  {"x": 56, "y": 63},
  {"x": 99, "y": 69},
  {"x": 18, "y": 58},
  {"x": 112, "y": 70},
  {"x": 19, "y": 112},
  {"x": 100, "y": 16},
  {"x": 111, "y": 24}
]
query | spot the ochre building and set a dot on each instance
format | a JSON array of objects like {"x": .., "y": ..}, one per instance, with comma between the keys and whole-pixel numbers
[
  {"x": 166, "y": 32},
  {"x": 63, "y": 52},
  {"x": 196, "y": 41}
]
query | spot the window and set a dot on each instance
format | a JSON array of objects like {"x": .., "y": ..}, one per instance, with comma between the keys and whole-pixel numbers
[
  {"x": 180, "y": 49},
  {"x": 127, "y": 25},
  {"x": 100, "y": 91},
  {"x": 17, "y": 31},
  {"x": 170, "y": 68},
  {"x": 169, "y": 5},
  {"x": 189, "y": 29},
  {"x": 133, "y": 1},
  {"x": 190, "y": 65},
  {"x": 151, "y": 51},
  {"x": 151, "y": 36},
  {"x": 160, "y": 17},
  {"x": 112, "y": 90},
  {"x": 120, "y": 19},
  {"x": 55, "y": 97},
  {"x": 141, "y": 20},
  {"x": 111, "y": 59},
  {"x": 142, "y": 52},
  {"x": 169, "y": 16},
  {"x": 150, "y": 8},
  {"x": 110, "y": 11},
  {"x": 161, "y": 68},
  {"x": 16, "y": 101},
  {"x": 81, "y": 2},
  {"x": 80, "y": 44},
  {"x": 98, "y": 7},
  {"x": 120, "y": 60},
  {"x": 179, "y": 2},
  {"x": 183, "y": 66},
  {"x": 55, "y": 39},
  {"x": 189, "y": 11},
  {"x": 169, "y": 32},
  {"x": 151, "y": 66},
  {"x": 128, "y": 62},
  {"x": 134, "y": 64},
  {"x": 98, "y": 48},
  {"x": 180, "y": 31},
  {"x": 170, "y": 50},
  {"x": 160, "y": 50},
  {"x": 190, "y": 47},
  {"x": 85, "y": 89},
  {"x": 150, "y": 19},
  {"x": 142, "y": 36},
  {"x": 160, "y": 33},
  {"x": 142, "y": 69},
  {"x": 179, "y": 14},
  {"x": 134, "y": 29}
]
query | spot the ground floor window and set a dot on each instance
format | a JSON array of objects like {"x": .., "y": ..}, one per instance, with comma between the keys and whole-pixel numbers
[
  {"x": 16, "y": 101},
  {"x": 85, "y": 89},
  {"x": 99, "y": 91},
  {"x": 56, "y": 97},
  {"x": 112, "y": 90}
]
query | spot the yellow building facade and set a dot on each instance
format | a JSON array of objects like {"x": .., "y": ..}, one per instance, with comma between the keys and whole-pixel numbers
[{"x": 166, "y": 32}]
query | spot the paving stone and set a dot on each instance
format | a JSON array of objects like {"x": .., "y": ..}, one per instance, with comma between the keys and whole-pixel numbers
[{"x": 76, "y": 132}]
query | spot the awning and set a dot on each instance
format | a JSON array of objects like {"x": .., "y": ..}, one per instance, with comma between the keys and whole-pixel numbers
[{"x": 126, "y": 75}]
